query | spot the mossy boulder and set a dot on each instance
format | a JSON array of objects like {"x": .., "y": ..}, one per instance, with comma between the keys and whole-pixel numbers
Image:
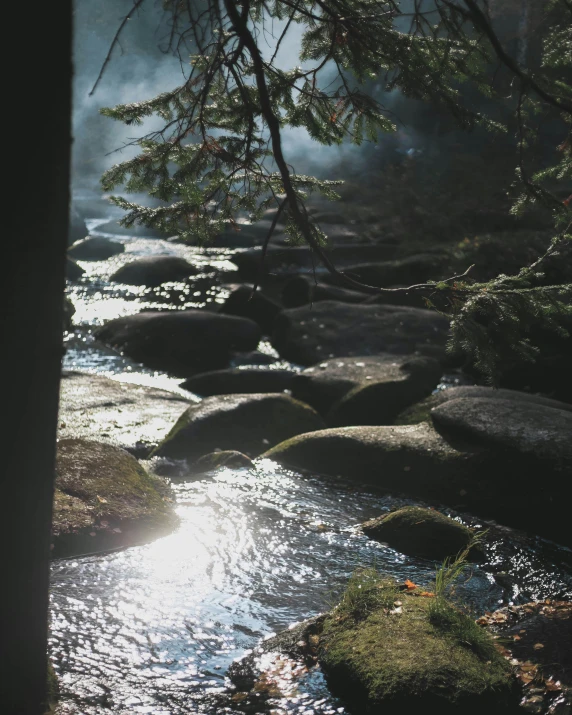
[
  {"x": 346, "y": 381},
  {"x": 239, "y": 379},
  {"x": 417, "y": 531},
  {"x": 182, "y": 342},
  {"x": 225, "y": 458},
  {"x": 330, "y": 329},
  {"x": 249, "y": 423},
  {"x": 421, "y": 411},
  {"x": 105, "y": 499},
  {"x": 153, "y": 271},
  {"x": 386, "y": 653},
  {"x": 95, "y": 248}
]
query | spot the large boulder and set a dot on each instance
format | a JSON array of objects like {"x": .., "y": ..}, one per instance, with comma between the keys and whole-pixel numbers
[
  {"x": 346, "y": 381},
  {"x": 95, "y": 248},
  {"x": 246, "y": 423},
  {"x": 153, "y": 271},
  {"x": 239, "y": 379},
  {"x": 417, "y": 531},
  {"x": 73, "y": 271},
  {"x": 279, "y": 258},
  {"x": 301, "y": 290},
  {"x": 487, "y": 477},
  {"x": 332, "y": 329},
  {"x": 422, "y": 411},
  {"x": 404, "y": 271},
  {"x": 389, "y": 651},
  {"x": 256, "y": 306},
  {"x": 181, "y": 342},
  {"x": 104, "y": 499},
  {"x": 135, "y": 417},
  {"x": 531, "y": 431}
]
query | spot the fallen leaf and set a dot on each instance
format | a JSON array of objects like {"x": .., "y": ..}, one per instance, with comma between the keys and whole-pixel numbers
[
  {"x": 538, "y": 646},
  {"x": 409, "y": 584},
  {"x": 101, "y": 500},
  {"x": 427, "y": 594},
  {"x": 553, "y": 685}
]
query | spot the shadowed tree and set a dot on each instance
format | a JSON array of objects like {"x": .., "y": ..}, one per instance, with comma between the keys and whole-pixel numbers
[{"x": 33, "y": 256}]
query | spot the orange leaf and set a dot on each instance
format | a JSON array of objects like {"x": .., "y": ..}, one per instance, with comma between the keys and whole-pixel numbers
[
  {"x": 427, "y": 594},
  {"x": 410, "y": 585}
]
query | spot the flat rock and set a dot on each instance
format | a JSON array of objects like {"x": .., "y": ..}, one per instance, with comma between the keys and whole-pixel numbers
[
  {"x": 243, "y": 380},
  {"x": 182, "y": 342},
  {"x": 153, "y": 271},
  {"x": 105, "y": 499},
  {"x": 531, "y": 430},
  {"x": 95, "y": 248},
  {"x": 246, "y": 423},
  {"x": 126, "y": 415},
  {"x": 328, "y": 329}
]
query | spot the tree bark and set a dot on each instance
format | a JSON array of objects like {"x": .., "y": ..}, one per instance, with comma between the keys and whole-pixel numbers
[{"x": 35, "y": 162}]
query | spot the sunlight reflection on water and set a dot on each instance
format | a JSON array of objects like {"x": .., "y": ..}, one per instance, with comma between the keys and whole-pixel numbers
[{"x": 256, "y": 551}]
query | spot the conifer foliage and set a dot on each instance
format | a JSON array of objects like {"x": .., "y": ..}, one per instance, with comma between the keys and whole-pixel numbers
[{"x": 219, "y": 156}]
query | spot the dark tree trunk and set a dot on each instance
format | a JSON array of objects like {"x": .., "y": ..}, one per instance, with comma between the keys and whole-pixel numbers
[{"x": 36, "y": 89}]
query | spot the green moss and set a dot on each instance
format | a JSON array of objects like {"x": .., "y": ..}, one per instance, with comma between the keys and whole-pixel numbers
[
  {"x": 423, "y": 532},
  {"x": 52, "y": 690},
  {"x": 179, "y": 425},
  {"x": 388, "y": 652},
  {"x": 102, "y": 490},
  {"x": 419, "y": 412}
]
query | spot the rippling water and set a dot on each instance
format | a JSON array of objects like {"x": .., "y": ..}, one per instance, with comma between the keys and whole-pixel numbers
[{"x": 153, "y": 629}]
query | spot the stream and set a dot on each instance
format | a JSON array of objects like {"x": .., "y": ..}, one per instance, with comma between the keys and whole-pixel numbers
[{"x": 154, "y": 628}]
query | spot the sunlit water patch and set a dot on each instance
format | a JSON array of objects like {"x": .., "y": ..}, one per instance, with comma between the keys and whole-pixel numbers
[{"x": 153, "y": 629}]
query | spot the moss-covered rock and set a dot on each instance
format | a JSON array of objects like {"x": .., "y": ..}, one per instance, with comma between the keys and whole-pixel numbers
[
  {"x": 105, "y": 499},
  {"x": 225, "y": 458},
  {"x": 249, "y": 423},
  {"x": 392, "y": 652},
  {"x": 417, "y": 531},
  {"x": 421, "y": 411},
  {"x": 69, "y": 311}
]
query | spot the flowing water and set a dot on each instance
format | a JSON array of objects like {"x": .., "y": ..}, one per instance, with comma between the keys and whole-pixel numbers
[{"x": 154, "y": 628}]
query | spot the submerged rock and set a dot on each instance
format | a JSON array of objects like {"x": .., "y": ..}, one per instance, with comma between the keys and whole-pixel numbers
[
  {"x": 95, "y": 248},
  {"x": 105, "y": 499},
  {"x": 368, "y": 389},
  {"x": 417, "y": 531},
  {"x": 248, "y": 423},
  {"x": 332, "y": 329},
  {"x": 152, "y": 271},
  {"x": 391, "y": 652},
  {"x": 182, "y": 342},
  {"x": 225, "y": 458},
  {"x": 243, "y": 380},
  {"x": 73, "y": 271}
]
